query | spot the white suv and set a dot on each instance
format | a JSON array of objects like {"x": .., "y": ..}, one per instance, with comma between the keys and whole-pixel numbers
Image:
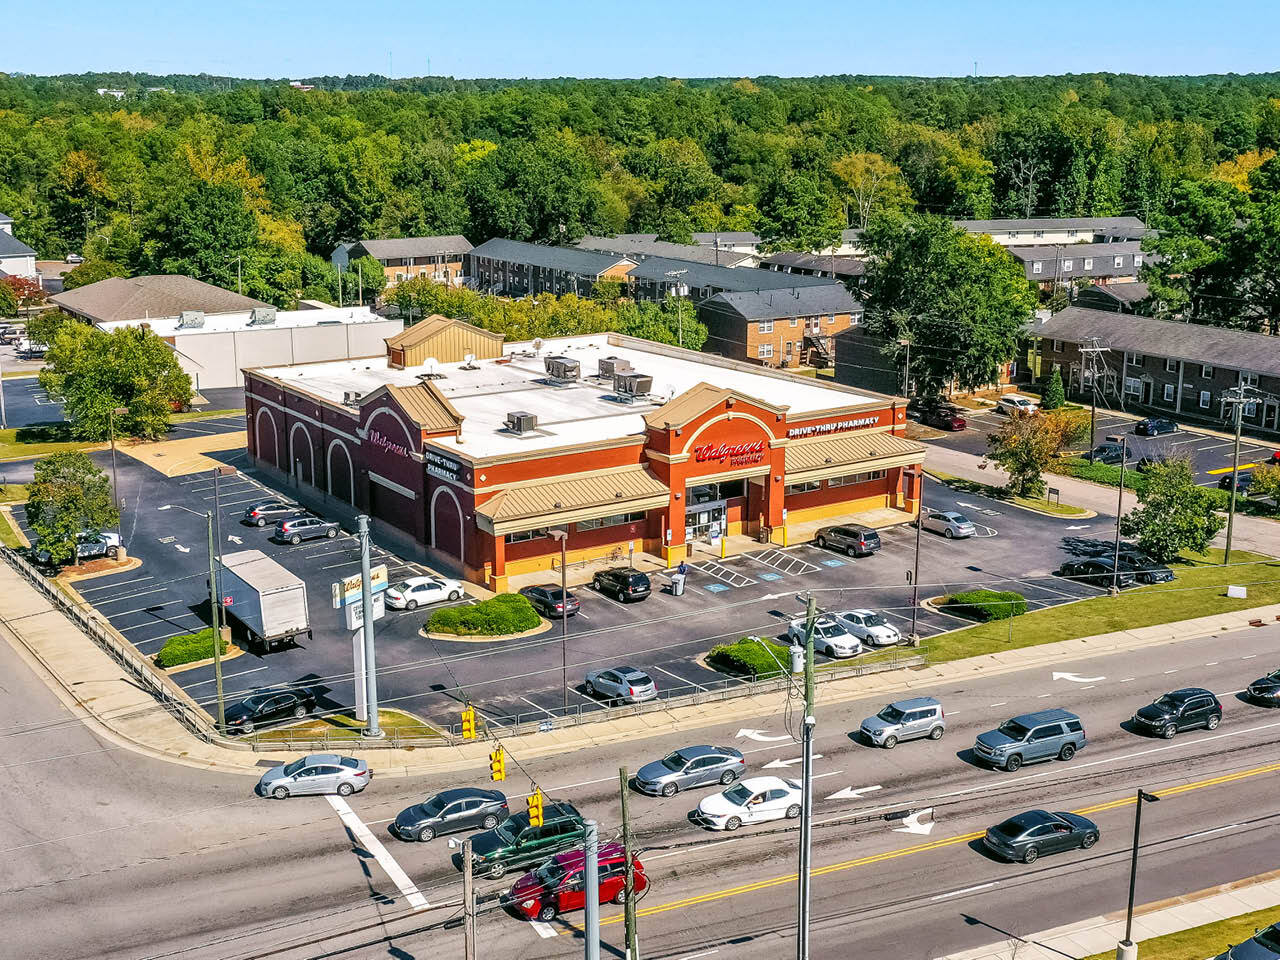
[{"x": 1014, "y": 403}]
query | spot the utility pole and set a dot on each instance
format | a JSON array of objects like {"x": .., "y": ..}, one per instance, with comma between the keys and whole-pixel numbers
[
  {"x": 806, "y": 815},
  {"x": 366, "y": 602},
  {"x": 360, "y": 282},
  {"x": 1115, "y": 558},
  {"x": 563, "y": 537},
  {"x": 215, "y": 609},
  {"x": 915, "y": 573},
  {"x": 1236, "y": 397},
  {"x": 1091, "y": 350},
  {"x": 4, "y": 418},
  {"x": 468, "y": 904},
  {"x": 629, "y": 881},
  {"x": 591, "y": 929},
  {"x": 674, "y": 276}
]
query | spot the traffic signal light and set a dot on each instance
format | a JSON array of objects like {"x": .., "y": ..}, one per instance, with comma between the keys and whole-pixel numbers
[
  {"x": 497, "y": 764},
  {"x": 535, "y": 808},
  {"x": 469, "y": 723}
]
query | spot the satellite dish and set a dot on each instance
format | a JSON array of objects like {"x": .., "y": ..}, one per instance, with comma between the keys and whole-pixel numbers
[
  {"x": 469, "y": 358},
  {"x": 537, "y": 344}
]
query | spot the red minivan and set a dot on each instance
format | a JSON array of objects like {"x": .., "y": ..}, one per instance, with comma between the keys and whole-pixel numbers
[{"x": 558, "y": 885}]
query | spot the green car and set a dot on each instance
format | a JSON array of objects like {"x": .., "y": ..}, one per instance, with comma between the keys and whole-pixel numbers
[{"x": 514, "y": 843}]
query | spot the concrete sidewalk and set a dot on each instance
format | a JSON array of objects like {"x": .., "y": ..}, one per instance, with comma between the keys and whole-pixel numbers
[{"x": 1101, "y": 934}]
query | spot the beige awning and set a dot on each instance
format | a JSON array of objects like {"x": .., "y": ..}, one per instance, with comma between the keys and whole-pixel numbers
[
  {"x": 849, "y": 453},
  {"x": 601, "y": 493}
]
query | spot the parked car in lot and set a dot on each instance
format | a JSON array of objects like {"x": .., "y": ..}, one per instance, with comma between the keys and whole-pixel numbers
[
  {"x": 419, "y": 591},
  {"x": 296, "y": 529},
  {"x": 905, "y": 720},
  {"x": 690, "y": 767},
  {"x": 1013, "y": 403},
  {"x": 1154, "y": 426},
  {"x": 1147, "y": 461},
  {"x": 316, "y": 773},
  {"x": 621, "y": 683},
  {"x": 950, "y": 524},
  {"x": 1029, "y": 835},
  {"x": 558, "y": 885},
  {"x": 547, "y": 600},
  {"x": 1266, "y": 690},
  {"x": 869, "y": 627},
  {"x": 1177, "y": 710},
  {"x": 514, "y": 843},
  {"x": 263, "y": 707},
  {"x": 89, "y": 546},
  {"x": 1143, "y": 568},
  {"x": 943, "y": 418},
  {"x": 1098, "y": 571},
  {"x": 852, "y": 538},
  {"x": 1044, "y": 735},
  {"x": 449, "y": 811},
  {"x": 1244, "y": 481},
  {"x": 1108, "y": 452},
  {"x": 830, "y": 636},
  {"x": 757, "y": 800},
  {"x": 1263, "y": 945},
  {"x": 624, "y": 584},
  {"x": 269, "y": 511}
]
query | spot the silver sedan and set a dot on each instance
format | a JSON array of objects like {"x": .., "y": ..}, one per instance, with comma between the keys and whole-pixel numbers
[
  {"x": 950, "y": 524},
  {"x": 316, "y": 773},
  {"x": 690, "y": 767},
  {"x": 621, "y": 683}
]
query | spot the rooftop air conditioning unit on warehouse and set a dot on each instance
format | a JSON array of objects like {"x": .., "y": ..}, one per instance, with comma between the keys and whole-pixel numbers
[
  {"x": 562, "y": 368},
  {"x": 351, "y": 398},
  {"x": 631, "y": 385},
  {"x": 191, "y": 319},
  {"x": 609, "y": 366},
  {"x": 519, "y": 421}
]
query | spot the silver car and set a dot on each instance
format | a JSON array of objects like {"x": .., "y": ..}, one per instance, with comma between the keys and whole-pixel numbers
[
  {"x": 690, "y": 767},
  {"x": 950, "y": 524},
  {"x": 906, "y": 720},
  {"x": 621, "y": 683},
  {"x": 316, "y": 773}
]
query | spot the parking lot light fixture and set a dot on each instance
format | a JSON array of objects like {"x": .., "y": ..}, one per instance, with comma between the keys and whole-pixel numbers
[
  {"x": 563, "y": 537},
  {"x": 1127, "y": 949},
  {"x": 115, "y": 478}
]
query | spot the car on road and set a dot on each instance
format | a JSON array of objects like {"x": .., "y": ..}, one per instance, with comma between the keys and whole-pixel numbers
[
  {"x": 1263, "y": 945},
  {"x": 869, "y": 627},
  {"x": 624, "y": 584},
  {"x": 1266, "y": 690},
  {"x": 1154, "y": 426},
  {"x": 1013, "y": 403},
  {"x": 1028, "y": 836},
  {"x": 558, "y": 885},
  {"x": 943, "y": 418},
  {"x": 269, "y": 511},
  {"x": 1108, "y": 453},
  {"x": 830, "y": 636},
  {"x": 621, "y": 683},
  {"x": 690, "y": 767},
  {"x": 449, "y": 811},
  {"x": 905, "y": 720},
  {"x": 852, "y": 538},
  {"x": 263, "y": 707},
  {"x": 89, "y": 546},
  {"x": 950, "y": 524},
  {"x": 1143, "y": 568},
  {"x": 316, "y": 773},
  {"x": 547, "y": 600},
  {"x": 1043, "y": 735},
  {"x": 515, "y": 843},
  {"x": 756, "y": 800},
  {"x": 1177, "y": 710},
  {"x": 419, "y": 591},
  {"x": 296, "y": 529},
  {"x": 1244, "y": 481},
  {"x": 1098, "y": 571}
]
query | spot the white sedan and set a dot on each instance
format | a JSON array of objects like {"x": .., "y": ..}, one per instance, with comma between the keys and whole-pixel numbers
[
  {"x": 870, "y": 627},
  {"x": 756, "y": 800},
  {"x": 830, "y": 636},
  {"x": 950, "y": 524},
  {"x": 417, "y": 591}
]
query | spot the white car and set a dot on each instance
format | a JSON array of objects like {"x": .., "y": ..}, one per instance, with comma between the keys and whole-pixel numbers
[
  {"x": 950, "y": 524},
  {"x": 1014, "y": 403},
  {"x": 830, "y": 636},
  {"x": 756, "y": 800},
  {"x": 870, "y": 627},
  {"x": 417, "y": 591}
]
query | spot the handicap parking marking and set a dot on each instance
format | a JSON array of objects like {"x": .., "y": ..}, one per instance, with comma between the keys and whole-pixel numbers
[
  {"x": 716, "y": 587},
  {"x": 788, "y": 563},
  {"x": 832, "y": 562},
  {"x": 770, "y": 576}
]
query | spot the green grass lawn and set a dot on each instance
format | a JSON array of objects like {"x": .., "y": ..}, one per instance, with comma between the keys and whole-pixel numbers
[
  {"x": 19, "y": 443},
  {"x": 1205, "y": 941},
  {"x": 8, "y": 536},
  {"x": 343, "y": 727},
  {"x": 999, "y": 493},
  {"x": 202, "y": 415},
  {"x": 13, "y": 492}
]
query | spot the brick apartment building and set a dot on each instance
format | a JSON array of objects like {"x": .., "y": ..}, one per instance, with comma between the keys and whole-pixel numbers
[
  {"x": 780, "y": 328},
  {"x": 516, "y": 269},
  {"x": 439, "y": 258}
]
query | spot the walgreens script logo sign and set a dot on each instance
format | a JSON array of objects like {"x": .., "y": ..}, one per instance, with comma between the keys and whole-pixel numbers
[
  {"x": 386, "y": 444},
  {"x": 735, "y": 454}
]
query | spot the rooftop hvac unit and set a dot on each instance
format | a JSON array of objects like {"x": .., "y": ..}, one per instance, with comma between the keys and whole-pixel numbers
[
  {"x": 351, "y": 398},
  {"x": 537, "y": 345},
  {"x": 469, "y": 362},
  {"x": 562, "y": 368},
  {"x": 520, "y": 421},
  {"x": 191, "y": 319},
  {"x": 430, "y": 370},
  {"x": 609, "y": 366},
  {"x": 632, "y": 384},
  {"x": 262, "y": 316}
]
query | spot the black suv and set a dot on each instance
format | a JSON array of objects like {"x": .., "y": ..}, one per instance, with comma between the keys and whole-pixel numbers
[
  {"x": 1179, "y": 710},
  {"x": 1099, "y": 571},
  {"x": 1244, "y": 482},
  {"x": 267, "y": 706},
  {"x": 622, "y": 583},
  {"x": 514, "y": 843},
  {"x": 1154, "y": 426},
  {"x": 1143, "y": 567},
  {"x": 852, "y": 538}
]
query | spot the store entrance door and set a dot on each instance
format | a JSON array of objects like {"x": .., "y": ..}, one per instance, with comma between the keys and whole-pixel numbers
[{"x": 704, "y": 521}]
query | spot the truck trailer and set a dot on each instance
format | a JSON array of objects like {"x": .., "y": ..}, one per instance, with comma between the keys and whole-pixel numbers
[{"x": 267, "y": 600}]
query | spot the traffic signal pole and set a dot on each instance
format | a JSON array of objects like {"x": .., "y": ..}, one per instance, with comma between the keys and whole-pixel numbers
[
  {"x": 806, "y": 814},
  {"x": 468, "y": 903},
  {"x": 366, "y": 602},
  {"x": 629, "y": 881}
]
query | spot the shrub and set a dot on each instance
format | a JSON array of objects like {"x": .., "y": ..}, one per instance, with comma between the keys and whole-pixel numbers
[
  {"x": 498, "y": 616},
  {"x": 984, "y": 605},
  {"x": 188, "y": 648},
  {"x": 748, "y": 657}
]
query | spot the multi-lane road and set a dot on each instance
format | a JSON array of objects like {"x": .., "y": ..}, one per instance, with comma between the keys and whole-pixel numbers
[{"x": 111, "y": 855}]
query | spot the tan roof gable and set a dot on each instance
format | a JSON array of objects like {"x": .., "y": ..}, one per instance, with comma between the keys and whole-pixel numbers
[
  {"x": 600, "y": 493},
  {"x": 427, "y": 406},
  {"x": 433, "y": 325},
  {"x": 850, "y": 449},
  {"x": 162, "y": 295},
  {"x": 696, "y": 401}
]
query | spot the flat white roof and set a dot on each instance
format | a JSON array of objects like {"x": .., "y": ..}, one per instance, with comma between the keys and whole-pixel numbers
[
  {"x": 578, "y": 412},
  {"x": 239, "y": 320}
]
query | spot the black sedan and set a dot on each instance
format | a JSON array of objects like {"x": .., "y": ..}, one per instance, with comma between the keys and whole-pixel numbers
[
  {"x": 1099, "y": 571},
  {"x": 1144, "y": 569},
  {"x": 1108, "y": 453},
  {"x": 1154, "y": 426},
  {"x": 1244, "y": 480},
  {"x": 1030, "y": 835},
  {"x": 943, "y": 418},
  {"x": 464, "y": 808},
  {"x": 1266, "y": 690},
  {"x": 263, "y": 707},
  {"x": 547, "y": 601}
]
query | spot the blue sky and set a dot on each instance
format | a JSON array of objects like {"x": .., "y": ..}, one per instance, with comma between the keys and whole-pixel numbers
[{"x": 547, "y": 38}]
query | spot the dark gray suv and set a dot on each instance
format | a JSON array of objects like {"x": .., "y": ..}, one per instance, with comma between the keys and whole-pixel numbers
[
  {"x": 1045, "y": 735},
  {"x": 853, "y": 539}
]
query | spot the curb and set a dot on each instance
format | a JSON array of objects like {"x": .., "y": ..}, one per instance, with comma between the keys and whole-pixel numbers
[{"x": 537, "y": 631}]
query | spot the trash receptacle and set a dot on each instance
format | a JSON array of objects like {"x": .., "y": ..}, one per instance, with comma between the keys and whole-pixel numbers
[{"x": 677, "y": 584}]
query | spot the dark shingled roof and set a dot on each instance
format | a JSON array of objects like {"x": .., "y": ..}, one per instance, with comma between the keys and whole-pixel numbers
[
  {"x": 137, "y": 298},
  {"x": 11, "y": 246},
  {"x": 394, "y": 248},
  {"x": 1127, "y": 293},
  {"x": 849, "y": 266},
  {"x": 637, "y": 247},
  {"x": 1112, "y": 226},
  {"x": 722, "y": 278},
  {"x": 776, "y": 304},
  {"x": 570, "y": 259}
]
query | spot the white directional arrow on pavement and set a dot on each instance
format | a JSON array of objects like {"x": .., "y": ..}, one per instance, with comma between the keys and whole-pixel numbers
[
  {"x": 775, "y": 764},
  {"x": 182, "y": 549},
  {"x": 1076, "y": 678},
  {"x": 912, "y": 823},
  {"x": 852, "y": 793},
  {"x": 234, "y": 539},
  {"x": 1079, "y": 526},
  {"x": 759, "y": 735},
  {"x": 971, "y": 506}
]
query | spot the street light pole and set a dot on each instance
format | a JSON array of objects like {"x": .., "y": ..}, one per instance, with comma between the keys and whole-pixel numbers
[
  {"x": 215, "y": 610},
  {"x": 1127, "y": 949},
  {"x": 675, "y": 275},
  {"x": 806, "y": 814},
  {"x": 1115, "y": 557},
  {"x": 563, "y": 537},
  {"x": 1237, "y": 397},
  {"x": 115, "y": 478}
]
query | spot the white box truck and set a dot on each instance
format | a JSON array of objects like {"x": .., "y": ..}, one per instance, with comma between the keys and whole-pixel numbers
[{"x": 268, "y": 600}]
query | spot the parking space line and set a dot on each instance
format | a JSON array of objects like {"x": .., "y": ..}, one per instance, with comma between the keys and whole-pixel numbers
[
  {"x": 687, "y": 682},
  {"x": 130, "y": 596},
  {"x": 537, "y": 707},
  {"x": 154, "y": 608},
  {"x": 545, "y": 930},
  {"x": 374, "y": 846},
  {"x": 201, "y": 683},
  {"x": 108, "y": 586}
]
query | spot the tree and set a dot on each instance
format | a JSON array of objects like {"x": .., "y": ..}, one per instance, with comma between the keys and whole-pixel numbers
[
  {"x": 1027, "y": 443},
  {"x": 796, "y": 215},
  {"x": 98, "y": 372},
  {"x": 1174, "y": 514},
  {"x": 91, "y": 271},
  {"x": 872, "y": 184},
  {"x": 1266, "y": 482},
  {"x": 364, "y": 276},
  {"x": 962, "y": 301},
  {"x": 68, "y": 495},
  {"x": 28, "y": 292},
  {"x": 8, "y": 301},
  {"x": 1054, "y": 395}
]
